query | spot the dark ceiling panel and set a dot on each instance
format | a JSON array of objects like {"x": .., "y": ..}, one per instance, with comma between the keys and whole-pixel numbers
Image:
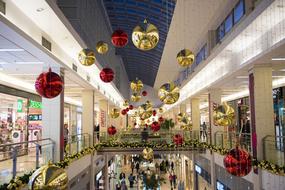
[{"x": 125, "y": 15}]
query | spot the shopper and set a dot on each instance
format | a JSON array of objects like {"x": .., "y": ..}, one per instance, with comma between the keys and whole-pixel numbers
[
  {"x": 172, "y": 165},
  {"x": 204, "y": 130},
  {"x": 122, "y": 176},
  {"x": 39, "y": 137},
  {"x": 174, "y": 178},
  {"x": 131, "y": 180},
  {"x": 118, "y": 186},
  {"x": 132, "y": 166},
  {"x": 167, "y": 164},
  {"x": 144, "y": 135},
  {"x": 170, "y": 180},
  {"x": 65, "y": 135},
  {"x": 137, "y": 167}
]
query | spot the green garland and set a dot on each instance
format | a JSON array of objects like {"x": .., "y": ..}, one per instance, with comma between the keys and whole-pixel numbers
[{"x": 16, "y": 183}]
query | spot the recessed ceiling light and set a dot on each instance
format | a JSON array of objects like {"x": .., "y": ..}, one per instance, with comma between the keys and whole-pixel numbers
[
  {"x": 40, "y": 9},
  {"x": 18, "y": 49},
  {"x": 278, "y": 59}
]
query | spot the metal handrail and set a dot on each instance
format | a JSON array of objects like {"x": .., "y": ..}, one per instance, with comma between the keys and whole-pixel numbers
[{"x": 25, "y": 142}]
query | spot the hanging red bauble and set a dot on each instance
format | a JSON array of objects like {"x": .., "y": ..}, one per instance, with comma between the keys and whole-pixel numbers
[
  {"x": 135, "y": 124},
  {"x": 160, "y": 119},
  {"x": 144, "y": 93},
  {"x": 112, "y": 130},
  {"x": 131, "y": 107},
  {"x": 178, "y": 139},
  {"x": 238, "y": 162},
  {"x": 107, "y": 75},
  {"x": 155, "y": 126},
  {"x": 49, "y": 84},
  {"x": 127, "y": 109},
  {"x": 119, "y": 38},
  {"x": 154, "y": 113},
  {"x": 124, "y": 112}
]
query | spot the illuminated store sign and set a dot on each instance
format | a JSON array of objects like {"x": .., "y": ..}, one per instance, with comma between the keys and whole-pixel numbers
[
  {"x": 198, "y": 169},
  {"x": 35, "y": 104},
  {"x": 20, "y": 106}
]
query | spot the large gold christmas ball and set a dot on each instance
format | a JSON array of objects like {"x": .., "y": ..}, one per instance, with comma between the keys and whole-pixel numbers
[
  {"x": 135, "y": 97},
  {"x": 185, "y": 58},
  {"x": 146, "y": 36},
  {"x": 86, "y": 57},
  {"x": 168, "y": 93},
  {"x": 114, "y": 113},
  {"x": 49, "y": 177},
  {"x": 126, "y": 103},
  {"x": 223, "y": 115},
  {"x": 136, "y": 86},
  {"x": 145, "y": 111},
  {"x": 102, "y": 47},
  {"x": 148, "y": 154}
]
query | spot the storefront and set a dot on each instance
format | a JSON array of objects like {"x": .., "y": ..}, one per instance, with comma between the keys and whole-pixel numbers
[
  {"x": 73, "y": 118},
  {"x": 202, "y": 178}
]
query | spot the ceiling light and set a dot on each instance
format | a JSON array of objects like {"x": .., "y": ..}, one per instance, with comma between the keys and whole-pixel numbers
[
  {"x": 242, "y": 77},
  {"x": 1, "y": 50},
  {"x": 278, "y": 59},
  {"x": 40, "y": 9}
]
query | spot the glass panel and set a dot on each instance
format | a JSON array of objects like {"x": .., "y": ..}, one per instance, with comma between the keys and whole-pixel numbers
[
  {"x": 221, "y": 32},
  {"x": 229, "y": 23},
  {"x": 239, "y": 11}
]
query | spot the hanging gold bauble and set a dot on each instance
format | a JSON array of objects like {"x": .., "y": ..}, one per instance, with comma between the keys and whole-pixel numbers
[
  {"x": 49, "y": 177},
  {"x": 102, "y": 47},
  {"x": 86, "y": 57},
  {"x": 187, "y": 127},
  {"x": 136, "y": 86},
  {"x": 126, "y": 103},
  {"x": 223, "y": 115},
  {"x": 114, "y": 113},
  {"x": 185, "y": 58},
  {"x": 145, "y": 37},
  {"x": 183, "y": 118},
  {"x": 148, "y": 153},
  {"x": 135, "y": 97},
  {"x": 145, "y": 111},
  {"x": 160, "y": 110},
  {"x": 168, "y": 93}
]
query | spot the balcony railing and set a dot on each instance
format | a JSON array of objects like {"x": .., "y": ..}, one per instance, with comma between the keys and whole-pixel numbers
[
  {"x": 274, "y": 149},
  {"x": 76, "y": 143}
]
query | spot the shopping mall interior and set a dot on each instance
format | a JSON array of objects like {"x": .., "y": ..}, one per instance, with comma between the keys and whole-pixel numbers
[{"x": 142, "y": 94}]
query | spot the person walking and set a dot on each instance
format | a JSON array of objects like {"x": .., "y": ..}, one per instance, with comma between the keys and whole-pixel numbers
[
  {"x": 131, "y": 180},
  {"x": 174, "y": 177},
  {"x": 172, "y": 165},
  {"x": 132, "y": 166},
  {"x": 204, "y": 130},
  {"x": 137, "y": 167},
  {"x": 39, "y": 137},
  {"x": 170, "y": 177},
  {"x": 65, "y": 135}
]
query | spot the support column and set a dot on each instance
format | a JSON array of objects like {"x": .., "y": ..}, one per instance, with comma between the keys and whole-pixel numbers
[
  {"x": 195, "y": 115},
  {"x": 105, "y": 173},
  {"x": 88, "y": 113},
  {"x": 52, "y": 120},
  {"x": 182, "y": 108},
  {"x": 214, "y": 97},
  {"x": 262, "y": 114}
]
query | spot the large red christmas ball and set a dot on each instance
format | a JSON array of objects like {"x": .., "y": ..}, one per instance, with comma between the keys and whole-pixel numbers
[
  {"x": 155, "y": 126},
  {"x": 49, "y": 84},
  {"x": 107, "y": 75},
  {"x": 144, "y": 93},
  {"x": 154, "y": 113},
  {"x": 127, "y": 109},
  {"x": 160, "y": 119},
  {"x": 238, "y": 162},
  {"x": 119, "y": 38},
  {"x": 131, "y": 107},
  {"x": 124, "y": 112},
  {"x": 112, "y": 130},
  {"x": 178, "y": 139}
]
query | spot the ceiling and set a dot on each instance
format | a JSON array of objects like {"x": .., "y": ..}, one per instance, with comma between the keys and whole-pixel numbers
[{"x": 125, "y": 15}]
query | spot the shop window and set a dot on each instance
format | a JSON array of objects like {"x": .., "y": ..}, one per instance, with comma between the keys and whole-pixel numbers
[
  {"x": 221, "y": 32},
  {"x": 239, "y": 11},
  {"x": 201, "y": 55},
  {"x": 229, "y": 23}
]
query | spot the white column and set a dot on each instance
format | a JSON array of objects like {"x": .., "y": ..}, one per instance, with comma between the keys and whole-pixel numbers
[
  {"x": 88, "y": 113},
  {"x": 262, "y": 114},
  {"x": 182, "y": 108},
  {"x": 52, "y": 120}
]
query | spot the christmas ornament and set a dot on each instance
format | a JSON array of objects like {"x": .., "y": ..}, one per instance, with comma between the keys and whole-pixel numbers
[
  {"x": 49, "y": 84},
  {"x": 144, "y": 93},
  {"x": 126, "y": 103},
  {"x": 107, "y": 75},
  {"x": 124, "y": 112},
  {"x": 145, "y": 36},
  {"x": 49, "y": 177},
  {"x": 160, "y": 110},
  {"x": 114, "y": 113},
  {"x": 155, "y": 126},
  {"x": 154, "y": 113},
  {"x": 86, "y": 57},
  {"x": 119, "y": 38},
  {"x": 145, "y": 111},
  {"x": 131, "y": 107},
  {"x": 127, "y": 109},
  {"x": 238, "y": 162},
  {"x": 102, "y": 47},
  {"x": 148, "y": 153},
  {"x": 112, "y": 130},
  {"x": 223, "y": 115},
  {"x": 185, "y": 58},
  {"x": 168, "y": 93},
  {"x": 135, "y": 97},
  {"x": 136, "y": 86},
  {"x": 178, "y": 139},
  {"x": 160, "y": 119}
]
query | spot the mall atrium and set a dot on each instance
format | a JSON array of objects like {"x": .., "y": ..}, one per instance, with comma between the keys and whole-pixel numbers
[{"x": 142, "y": 94}]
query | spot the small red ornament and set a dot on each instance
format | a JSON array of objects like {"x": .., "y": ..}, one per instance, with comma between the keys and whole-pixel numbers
[
  {"x": 119, "y": 38},
  {"x": 107, "y": 75},
  {"x": 160, "y": 119},
  {"x": 155, "y": 126},
  {"x": 144, "y": 93},
  {"x": 154, "y": 113},
  {"x": 112, "y": 130},
  {"x": 178, "y": 139},
  {"x": 124, "y": 112},
  {"x": 135, "y": 124},
  {"x": 131, "y": 107},
  {"x": 238, "y": 162},
  {"x": 49, "y": 84},
  {"x": 127, "y": 109}
]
